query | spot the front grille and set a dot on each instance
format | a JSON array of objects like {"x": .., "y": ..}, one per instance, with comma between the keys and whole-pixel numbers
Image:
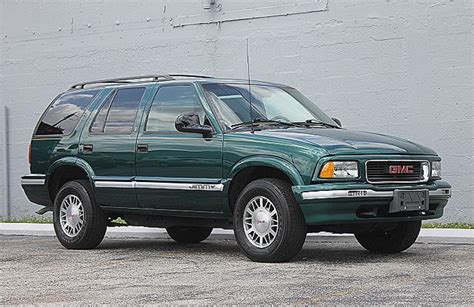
[{"x": 395, "y": 171}]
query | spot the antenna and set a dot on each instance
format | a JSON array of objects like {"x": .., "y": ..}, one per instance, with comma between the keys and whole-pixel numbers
[{"x": 250, "y": 90}]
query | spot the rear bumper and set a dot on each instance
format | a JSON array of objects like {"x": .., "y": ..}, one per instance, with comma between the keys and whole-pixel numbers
[
  {"x": 336, "y": 203},
  {"x": 35, "y": 188}
]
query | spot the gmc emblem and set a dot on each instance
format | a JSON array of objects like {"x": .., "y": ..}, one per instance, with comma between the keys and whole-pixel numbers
[{"x": 400, "y": 169}]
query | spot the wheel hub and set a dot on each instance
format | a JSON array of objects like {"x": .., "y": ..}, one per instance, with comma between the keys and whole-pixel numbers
[
  {"x": 71, "y": 215},
  {"x": 260, "y": 221}
]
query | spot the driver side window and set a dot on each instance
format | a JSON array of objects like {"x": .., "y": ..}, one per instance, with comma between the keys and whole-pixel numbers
[{"x": 169, "y": 103}]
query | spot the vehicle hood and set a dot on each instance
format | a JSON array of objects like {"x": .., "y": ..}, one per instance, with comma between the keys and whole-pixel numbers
[{"x": 347, "y": 142}]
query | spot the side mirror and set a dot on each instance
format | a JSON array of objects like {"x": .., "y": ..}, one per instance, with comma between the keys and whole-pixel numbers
[
  {"x": 189, "y": 122},
  {"x": 337, "y": 121}
]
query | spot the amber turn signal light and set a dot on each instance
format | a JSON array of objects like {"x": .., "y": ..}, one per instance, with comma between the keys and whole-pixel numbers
[{"x": 327, "y": 171}]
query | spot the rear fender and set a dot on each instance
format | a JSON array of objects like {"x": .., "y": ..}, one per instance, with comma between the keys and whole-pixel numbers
[{"x": 74, "y": 162}]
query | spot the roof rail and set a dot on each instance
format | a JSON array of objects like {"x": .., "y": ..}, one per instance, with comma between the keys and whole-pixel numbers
[
  {"x": 135, "y": 79},
  {"x": 190, "y": 76}
]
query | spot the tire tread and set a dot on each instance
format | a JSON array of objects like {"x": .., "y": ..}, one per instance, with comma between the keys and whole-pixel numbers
[
  {"x": 294, "y": 238},
  {"x": 95, "y": 227},
  {"x": 399, "y": 239}
]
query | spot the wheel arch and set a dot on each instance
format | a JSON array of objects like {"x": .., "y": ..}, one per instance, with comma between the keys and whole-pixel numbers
[
  {"x": 258, "y": 167},
  {"x": 64, "y": 170}
]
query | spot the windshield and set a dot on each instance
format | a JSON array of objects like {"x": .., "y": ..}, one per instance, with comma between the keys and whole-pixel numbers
[{"x": 269, "y": 103}]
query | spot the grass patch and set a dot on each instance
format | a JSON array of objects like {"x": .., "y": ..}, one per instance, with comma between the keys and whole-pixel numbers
[
  {"x": 119, "y": 221},
  {"x": 449, "y": 225}
]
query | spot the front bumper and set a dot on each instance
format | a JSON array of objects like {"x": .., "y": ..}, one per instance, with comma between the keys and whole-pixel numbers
[{"x": 338, "y": 203}]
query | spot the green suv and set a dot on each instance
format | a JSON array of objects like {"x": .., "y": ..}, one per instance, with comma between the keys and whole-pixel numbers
[{"x": 192, "y": 153}]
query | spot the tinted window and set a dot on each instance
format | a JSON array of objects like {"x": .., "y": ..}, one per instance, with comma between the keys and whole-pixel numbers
[
  {"x": 118, "y": 113},
  {"x": 99, "y": 121},
  {"x": 169, "y": 103},
  {"x": 65, "y": 112},
  {"x": 232, "y": 104}
]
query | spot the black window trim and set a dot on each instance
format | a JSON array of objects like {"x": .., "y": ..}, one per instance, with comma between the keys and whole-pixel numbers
[
  {"x": 168, "y": 132},
  {"x": 112, "y": 95},
  {"x": 60, "y": 136}
]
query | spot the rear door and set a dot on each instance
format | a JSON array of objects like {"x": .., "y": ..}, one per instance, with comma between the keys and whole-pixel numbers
[
  {"x": 176, "y": 171},
  {"x": 108, "y": 145}
]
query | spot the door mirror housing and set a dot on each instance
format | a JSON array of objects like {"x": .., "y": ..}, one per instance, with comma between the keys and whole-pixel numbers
[
  {"x": 189, "y": 122},
  {"x": 337, "y": 121}
]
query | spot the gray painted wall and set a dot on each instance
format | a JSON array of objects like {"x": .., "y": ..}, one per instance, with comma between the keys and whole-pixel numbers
[{"x": 396, "y": 67}]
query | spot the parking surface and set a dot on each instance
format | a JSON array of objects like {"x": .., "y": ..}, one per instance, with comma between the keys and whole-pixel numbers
[{"x": 139, "y": 271}]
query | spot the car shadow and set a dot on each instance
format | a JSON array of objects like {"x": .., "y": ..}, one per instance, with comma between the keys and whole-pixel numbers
[
  {"x": 163, "y": 244},
  {"x": 344, "y": 251}
]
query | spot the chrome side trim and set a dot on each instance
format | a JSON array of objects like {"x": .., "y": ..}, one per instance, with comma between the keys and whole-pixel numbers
[
  {"x": 160, "y": 185},
  {"x": 365, "y": 193},
  {"x": 32, "y": 181},
  {"x": 179, "y": 186},
  {"x": 115, "y": 184}
]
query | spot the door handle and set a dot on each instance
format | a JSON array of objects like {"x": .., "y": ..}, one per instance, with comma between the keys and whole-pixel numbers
[
  {"x": 142, "y": 148},
  {"x": 87, "y": 148}
]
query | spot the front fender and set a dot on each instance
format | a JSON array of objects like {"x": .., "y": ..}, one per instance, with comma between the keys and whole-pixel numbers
[{"x": 269, "y": 161}]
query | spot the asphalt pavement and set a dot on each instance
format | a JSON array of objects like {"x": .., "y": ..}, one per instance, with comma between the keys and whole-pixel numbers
[{"x": 38, "y": 270}]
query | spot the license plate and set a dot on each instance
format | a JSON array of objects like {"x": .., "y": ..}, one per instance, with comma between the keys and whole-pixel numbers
[{"x": 409, "y": 200}]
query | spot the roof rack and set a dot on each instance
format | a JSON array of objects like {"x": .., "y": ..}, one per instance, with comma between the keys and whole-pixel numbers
[{"x": 135, "y": 79}]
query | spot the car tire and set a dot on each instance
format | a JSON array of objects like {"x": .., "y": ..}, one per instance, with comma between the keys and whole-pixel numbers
[
  {"x": 79, "y": 222},
  {"x": 182, "y": 234},
  {"x": 268, "y": 223},
  {"x": 390, "y": 240}
]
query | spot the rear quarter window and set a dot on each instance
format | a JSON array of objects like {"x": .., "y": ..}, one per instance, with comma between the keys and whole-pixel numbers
[
  {"x": 64, "y": 113},
  {"x": 118, "y": 113}
]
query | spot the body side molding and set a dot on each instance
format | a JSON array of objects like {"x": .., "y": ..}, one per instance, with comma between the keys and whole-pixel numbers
[{"x": 188, "y": 186}]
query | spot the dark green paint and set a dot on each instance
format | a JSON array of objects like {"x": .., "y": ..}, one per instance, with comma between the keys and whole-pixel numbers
[
  {"x": 343, "y": 212},
  {"x": 346, "y": 142},
  {"x": 172, "y": 156},
  {"x": 185, "y": 157}
]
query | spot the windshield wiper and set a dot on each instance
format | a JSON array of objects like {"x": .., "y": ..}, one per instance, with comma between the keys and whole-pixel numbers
[
  {"x": 258, "y": 121},
  {"x": 315, "y": 122}
]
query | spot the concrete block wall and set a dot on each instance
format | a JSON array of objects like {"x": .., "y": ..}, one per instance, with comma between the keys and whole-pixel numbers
[{"x": 396, "y": 67}]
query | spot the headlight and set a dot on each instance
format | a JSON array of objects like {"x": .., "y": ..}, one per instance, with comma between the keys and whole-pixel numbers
[
  {"x": 436, "y": 169},
  {"x": 339, "y": 169}
]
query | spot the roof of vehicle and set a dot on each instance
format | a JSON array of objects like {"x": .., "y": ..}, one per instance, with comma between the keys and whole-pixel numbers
[{"x": 144, "y": 79}]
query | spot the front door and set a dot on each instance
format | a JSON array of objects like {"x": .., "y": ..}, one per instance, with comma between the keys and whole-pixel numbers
[
  {"x": 176, "y": 171},
  {"x": 108, "y": 145}
]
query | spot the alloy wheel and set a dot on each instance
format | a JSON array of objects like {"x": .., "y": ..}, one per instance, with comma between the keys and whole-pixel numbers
[
  {"x": 260, "y": 221},
  {"x": 71, "y": 215}
]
